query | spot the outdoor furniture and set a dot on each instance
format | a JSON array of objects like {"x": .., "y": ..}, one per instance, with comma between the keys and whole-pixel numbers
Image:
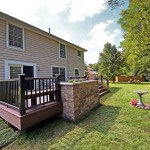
[{"x": 140, "y": 93}]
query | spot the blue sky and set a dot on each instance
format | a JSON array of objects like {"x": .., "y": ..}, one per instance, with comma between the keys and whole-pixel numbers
[{"x": 87, "y": 23}]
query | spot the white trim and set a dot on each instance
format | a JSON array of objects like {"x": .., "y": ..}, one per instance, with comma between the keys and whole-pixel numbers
[
  {"x": 66, "y": 76},
  {"x": 78, "y": 71},
  {"x": 21, "y": 63},
  {"x": 65, "y": 51},
  {"x": 7, "y": 36}
]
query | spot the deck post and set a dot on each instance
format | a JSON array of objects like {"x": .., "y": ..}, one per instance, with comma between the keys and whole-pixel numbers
[
  {"x": 22, "y": 109},
  {"x": 107, "y": 84},
  {"x": 58, "y": 93},
  {"x": 101, "y": 78}
]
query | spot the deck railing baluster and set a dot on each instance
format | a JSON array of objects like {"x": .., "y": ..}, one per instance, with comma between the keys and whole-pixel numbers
[
  {"x": 46, "y": 91},
  {"x": 32, "y": 102},
  {"x": 17, "y": 94},
  {"x": 43, "y": 91},
  {"x": 50, "y": 89},
  {"x": 26, "y": 100},
  {"x": 12, "y": 93},
  {"x": 9, "y": 91},
  {"x": 40, "y": 91},
  {"x": 35, "y": 90}
]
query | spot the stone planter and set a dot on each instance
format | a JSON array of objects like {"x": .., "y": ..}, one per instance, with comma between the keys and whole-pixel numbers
[{"x": 78, "y": 98}]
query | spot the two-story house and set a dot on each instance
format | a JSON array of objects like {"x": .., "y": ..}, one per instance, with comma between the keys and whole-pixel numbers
[{"x": 25, "y": 49}]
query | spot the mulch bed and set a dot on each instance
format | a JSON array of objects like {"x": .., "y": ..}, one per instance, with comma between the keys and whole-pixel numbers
[{"x": 134, "y": 103}]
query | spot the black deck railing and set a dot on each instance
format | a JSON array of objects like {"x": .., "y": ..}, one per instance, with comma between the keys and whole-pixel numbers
[
  {"x": 9, "y": 93},
  {"x": 25, "y": 93}
]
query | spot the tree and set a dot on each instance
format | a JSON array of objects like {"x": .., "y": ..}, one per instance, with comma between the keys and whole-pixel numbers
[
  {"x": 115, "y": 3},
  {"x": 135, "y": 22},
  {"x": 93, "y": 66},
  {"x": 110, "y": 61}
]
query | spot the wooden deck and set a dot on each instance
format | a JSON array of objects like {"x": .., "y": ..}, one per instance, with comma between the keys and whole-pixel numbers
[
  {"x": 23, "y": 107},
  {"x": 32, "y": 116}
]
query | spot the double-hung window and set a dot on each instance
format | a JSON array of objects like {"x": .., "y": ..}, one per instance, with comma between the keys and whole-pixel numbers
[
  {"x": 60, "y": 71},
  {"x": 14, "y": 71},
  {"x": 15, "y": 36},
  {"x": 79, "y": 54},
  {"x": 62, "y": 51},
  {"x": 76, "y": 72}
]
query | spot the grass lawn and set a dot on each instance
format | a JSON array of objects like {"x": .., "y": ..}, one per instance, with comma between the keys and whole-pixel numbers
[
  {"x": 7, "y": 134},
  {"x": 113, "y": 126}
]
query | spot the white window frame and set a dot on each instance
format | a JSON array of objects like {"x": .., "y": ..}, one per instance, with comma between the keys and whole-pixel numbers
[
  {"x": 7, "y": 36},
  {"x": 9, "y": 63},
  {"x": 65, "y": 51},
  {"x": 59, "y": 70},
  {"x": 78, "y": 71}
]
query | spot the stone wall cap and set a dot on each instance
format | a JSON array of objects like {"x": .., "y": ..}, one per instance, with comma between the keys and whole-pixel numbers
[{"x": 76, "y": 83}]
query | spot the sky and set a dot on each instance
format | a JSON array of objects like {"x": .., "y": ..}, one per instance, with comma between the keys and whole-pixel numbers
[{"x": 87, "y": 23}]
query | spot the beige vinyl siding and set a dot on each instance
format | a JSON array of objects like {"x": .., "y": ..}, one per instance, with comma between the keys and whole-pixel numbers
[
  {"x": 38, "y": 49},
  {"x": 75, "y": 62}
]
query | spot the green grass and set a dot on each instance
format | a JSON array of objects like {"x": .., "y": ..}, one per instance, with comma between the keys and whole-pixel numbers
[
  {"x": 113, "y": 126},
  {"x": 7, "y": 135}
]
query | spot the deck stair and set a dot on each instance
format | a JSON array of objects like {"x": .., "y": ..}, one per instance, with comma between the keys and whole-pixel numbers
[
  {"x": 103, "y": 85},
  {"x": 102, "y": 91}
]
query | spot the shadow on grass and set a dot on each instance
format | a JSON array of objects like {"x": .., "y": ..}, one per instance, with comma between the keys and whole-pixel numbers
[
  {"x": 54, "y": 129},
  {"x": 101, "y": 119},
  {"x": 47, "y": 128}
]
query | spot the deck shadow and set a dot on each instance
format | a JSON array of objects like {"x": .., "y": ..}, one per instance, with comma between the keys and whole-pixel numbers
[{"x": 47, "y": 129}]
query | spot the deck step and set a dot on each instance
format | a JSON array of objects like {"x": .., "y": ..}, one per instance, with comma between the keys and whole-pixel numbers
[
  {"x": 100, "y": 86},
  {"x": 103, "y": 93},
  {"x": 102, "y": 90}
]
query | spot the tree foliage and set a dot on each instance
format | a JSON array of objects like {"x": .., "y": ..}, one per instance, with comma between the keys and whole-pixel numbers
[
  {"x": 115, "y": 3},
  {"x": 93, "y": 66},
  {"x": 135, "y": 22},
  {"x": 110, "y": 61}
]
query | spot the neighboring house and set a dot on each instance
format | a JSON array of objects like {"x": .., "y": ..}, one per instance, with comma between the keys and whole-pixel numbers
[
  {"x": 91, "y": 73},
  {"x": 25, "y": 49}
]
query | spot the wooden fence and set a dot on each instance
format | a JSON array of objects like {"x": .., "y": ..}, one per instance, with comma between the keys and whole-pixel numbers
[
  {"x": 25, "y": 93},
  {"x": 129, "y": 79}
]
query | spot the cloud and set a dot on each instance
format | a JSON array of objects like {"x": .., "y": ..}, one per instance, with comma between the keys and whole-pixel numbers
[
  {"x": 57, "y": 6},
  {"x": 81, "y": 9},
  {"x": 62, "y": 34},
  {"x": 26, "y": 10},
  {"x": 77, "y": 10},
  {"x": 98, "y": 36}
]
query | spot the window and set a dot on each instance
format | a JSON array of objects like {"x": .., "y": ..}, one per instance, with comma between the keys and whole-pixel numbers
[
  {"x": 79, "y": 53},
  {"x": 60, "y": 71},
  {"x": 62, "y": 51},
  {"x": 14, "y": 71},
  {"x": 15, "y": 36},
  {"x": 76, "y": 72}
]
